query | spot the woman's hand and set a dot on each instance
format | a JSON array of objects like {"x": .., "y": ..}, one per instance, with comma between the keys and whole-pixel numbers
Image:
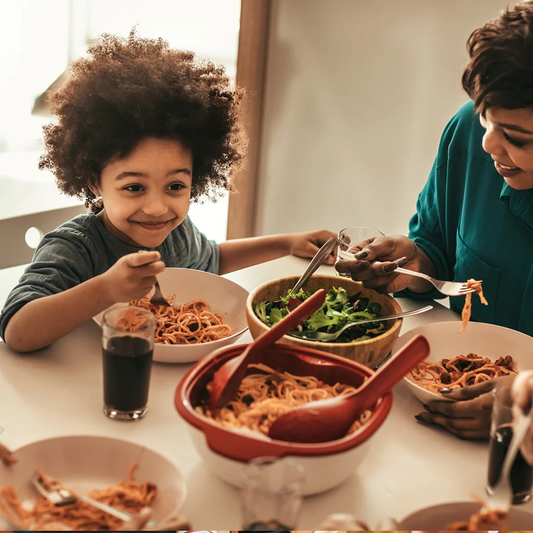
[
  {"x": 133, "y": 276},
  {"x": 522, "y": 395},
  {"x": 308, "y": 243},
  {"x": 470, "y": 415},
  {"x": 377, "y": 258}
]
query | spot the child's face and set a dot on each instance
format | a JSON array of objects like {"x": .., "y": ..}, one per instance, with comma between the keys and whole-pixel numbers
[{"x": 147, "y": 194}]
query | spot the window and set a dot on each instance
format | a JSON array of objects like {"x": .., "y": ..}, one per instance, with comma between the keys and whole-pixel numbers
[{"x": 36, "y": 41}]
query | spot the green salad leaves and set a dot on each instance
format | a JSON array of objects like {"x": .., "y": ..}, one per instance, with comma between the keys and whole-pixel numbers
[{"x": 338, "y": 310}]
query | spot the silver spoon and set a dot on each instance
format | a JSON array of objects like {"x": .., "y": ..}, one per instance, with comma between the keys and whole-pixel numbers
[{"x": 327, "y": 337}]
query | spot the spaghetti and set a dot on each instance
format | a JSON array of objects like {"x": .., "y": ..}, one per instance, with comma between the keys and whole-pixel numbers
[
  {"x": 128, "y": 496},
  {"x": 189, "y": 323},
  {"x": 483, "y": 520},
  {"x": 265, "y": 396},
  {"x": 467, "y": 308},
  {"x": 461, "y": 371}
]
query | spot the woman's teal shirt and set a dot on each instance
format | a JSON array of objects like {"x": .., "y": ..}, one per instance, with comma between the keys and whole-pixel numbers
[{"x": 473, "y": 225}]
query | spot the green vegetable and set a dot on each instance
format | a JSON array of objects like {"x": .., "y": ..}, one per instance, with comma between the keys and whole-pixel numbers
[{"x": 338, "y": 310}]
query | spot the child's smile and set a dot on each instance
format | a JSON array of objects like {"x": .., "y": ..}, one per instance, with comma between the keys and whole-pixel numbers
[{"x": 147, "y": 194}]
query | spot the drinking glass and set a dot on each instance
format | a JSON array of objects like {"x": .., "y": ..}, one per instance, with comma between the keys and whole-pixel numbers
[
  {"x": 271, "y": 494},
  {"x": 348, "y": 238},
  {"x": 127, "y": 348},
  {"x": 501, "y": 433}
]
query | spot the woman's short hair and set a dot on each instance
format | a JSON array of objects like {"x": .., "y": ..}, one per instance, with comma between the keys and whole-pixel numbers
[{"x": 500, "y": 70}]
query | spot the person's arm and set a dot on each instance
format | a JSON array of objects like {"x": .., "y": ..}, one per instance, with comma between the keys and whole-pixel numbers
[
  {"x": 46, "y": 319},
  {"x": 242, "y": 253}
]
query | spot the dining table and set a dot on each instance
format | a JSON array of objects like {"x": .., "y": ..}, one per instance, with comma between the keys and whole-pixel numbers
[{"x": 58, "y": 391}]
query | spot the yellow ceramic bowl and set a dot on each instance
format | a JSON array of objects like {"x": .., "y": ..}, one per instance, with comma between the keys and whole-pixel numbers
[{"x": 368, "y": 352}]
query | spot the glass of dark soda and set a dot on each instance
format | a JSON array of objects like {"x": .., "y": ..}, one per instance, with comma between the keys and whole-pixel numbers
[
  {"x": 501, "y": 433},
  {"x": 127, "y": 348},
  {"x": 272, "y": 492}
]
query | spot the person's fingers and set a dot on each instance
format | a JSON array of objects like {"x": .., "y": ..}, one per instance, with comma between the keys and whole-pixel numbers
[
  {"x": 464, "y": 428},
  {"x": 144, "y": 257},
  {"x": 466, "y": 393},
  {"x": 522, "y": 389},
  {"x": 467, "y": 408},
  {"x": 374, "y": 248}
]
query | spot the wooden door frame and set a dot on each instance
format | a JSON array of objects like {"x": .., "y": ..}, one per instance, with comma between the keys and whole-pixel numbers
[{"x": 251, "y": 70}]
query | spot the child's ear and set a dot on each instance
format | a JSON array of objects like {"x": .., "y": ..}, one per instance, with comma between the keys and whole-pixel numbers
[{"x": 95, "y": 190}]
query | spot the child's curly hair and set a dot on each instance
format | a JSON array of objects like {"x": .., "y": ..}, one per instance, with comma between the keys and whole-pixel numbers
[
  {"x": 500, "y": 71},
  {"x": 133, "y": 88}
]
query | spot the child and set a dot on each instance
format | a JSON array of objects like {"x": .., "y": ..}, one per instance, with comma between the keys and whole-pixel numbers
[{"x": 142, "y": 130}]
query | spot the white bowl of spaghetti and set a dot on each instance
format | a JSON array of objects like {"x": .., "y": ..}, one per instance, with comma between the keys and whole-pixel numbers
[
  {"x": 208, "y": 312},
  {"x": 479, "y": 353},
  {"x": 123, "y": 474},
  {"x": 225, "y": 447},
  {"x": 464, "y": 516}
]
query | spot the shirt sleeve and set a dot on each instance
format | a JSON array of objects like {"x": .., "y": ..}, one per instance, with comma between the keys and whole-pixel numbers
[{"x": 61, "y": 261}]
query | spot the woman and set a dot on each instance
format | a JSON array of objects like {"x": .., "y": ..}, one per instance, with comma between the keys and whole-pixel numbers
[{"x": 474, "y": 217}]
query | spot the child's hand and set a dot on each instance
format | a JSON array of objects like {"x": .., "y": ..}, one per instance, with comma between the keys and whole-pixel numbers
[
  {"x": 308, "y": 243},
  {"x": 133, "y": 276}
]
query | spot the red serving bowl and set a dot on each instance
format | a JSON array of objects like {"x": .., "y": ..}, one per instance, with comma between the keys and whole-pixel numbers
[{"x": 240, "y": 447}]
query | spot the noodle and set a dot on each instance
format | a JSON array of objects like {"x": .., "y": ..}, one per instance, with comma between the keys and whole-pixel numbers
[
  {"x": 265, "y": 396},
  {"x": 127, "y": 496},
  {"x": 189, "y": 323},
  {"x": 461, "y": 371},
  {"x": 483, "y": 520},
  {"x": 467, "y": 308}
]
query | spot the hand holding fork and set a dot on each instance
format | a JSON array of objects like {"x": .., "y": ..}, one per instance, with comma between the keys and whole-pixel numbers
[{"x": 375, "y": 263}]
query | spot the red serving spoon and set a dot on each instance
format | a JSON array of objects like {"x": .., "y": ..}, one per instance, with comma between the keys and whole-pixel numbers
[
  {"x": 228, "y": 377},
  {"x": 326, "y": 420}
]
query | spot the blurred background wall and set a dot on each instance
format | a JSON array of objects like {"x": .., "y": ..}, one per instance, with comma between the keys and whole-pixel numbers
[{"x": 357, "y": 94}]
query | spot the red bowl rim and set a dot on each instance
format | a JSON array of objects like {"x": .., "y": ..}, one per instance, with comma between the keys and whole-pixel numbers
[{"x": 214, "y": 433}]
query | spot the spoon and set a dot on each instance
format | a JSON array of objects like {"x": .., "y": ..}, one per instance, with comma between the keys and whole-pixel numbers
[
  {"x": 312, "y": 267},
  {"x": 331, "y": 419},
  {"x": 228, "y": 377}
]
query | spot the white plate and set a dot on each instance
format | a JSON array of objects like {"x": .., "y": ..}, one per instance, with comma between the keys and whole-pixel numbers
[
  {"x": 224, "y": 297},
  {"x": 83, "y": 463},
  {"x": 437, "y": 517},
  {"x": 486, "y": 340}
]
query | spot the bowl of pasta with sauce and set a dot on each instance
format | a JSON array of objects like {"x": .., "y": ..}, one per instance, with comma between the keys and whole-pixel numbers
[
  {"x": 287, "y": 376},
  {"x": 126, "y": 475},
  {"x": 207, "y": 313},
  {"x": 465, "y": 516},
  {"x": 482, "y": 351},
  {"x": 347, "y": 301}
]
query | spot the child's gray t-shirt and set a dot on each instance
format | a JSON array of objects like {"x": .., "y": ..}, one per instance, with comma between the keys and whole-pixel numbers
[{"x": 83, "y": 248}]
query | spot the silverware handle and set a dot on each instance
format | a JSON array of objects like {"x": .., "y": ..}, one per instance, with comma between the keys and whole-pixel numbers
[
  {"x": 401, "y": 270},
  {"x": 393, "y": 317},
  {"x": 122, "y": 515},
  {"x": 317, "y": 260}
]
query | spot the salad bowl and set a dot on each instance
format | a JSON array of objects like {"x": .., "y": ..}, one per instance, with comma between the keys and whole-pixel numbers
[{"x": 367, "y": 351}]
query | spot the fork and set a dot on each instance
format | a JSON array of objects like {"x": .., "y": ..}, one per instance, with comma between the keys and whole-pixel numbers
[
  {"x": 502, "y": 493},
  {"x": 326, "y": 337},
  {"x": 158, "y": 298},
  {"x": 448, "y": 288},
  {"x": 62, "y": 496}
]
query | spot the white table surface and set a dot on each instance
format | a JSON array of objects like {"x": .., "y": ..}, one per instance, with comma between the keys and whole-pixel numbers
[{"x": 58, "y": 391}]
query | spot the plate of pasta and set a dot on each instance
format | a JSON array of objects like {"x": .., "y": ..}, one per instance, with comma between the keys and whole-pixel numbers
[
  {"x": 208, "y": 312},
  {"x": 480, "y": 352},
  {"x": 465, "y": 516},
  {"x": 120, "y": 473}
]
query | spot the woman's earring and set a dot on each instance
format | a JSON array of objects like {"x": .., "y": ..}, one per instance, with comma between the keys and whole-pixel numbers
[{"x": 98, "y": 202}]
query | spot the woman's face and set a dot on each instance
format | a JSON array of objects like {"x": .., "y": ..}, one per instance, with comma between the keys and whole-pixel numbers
[
  {"x": 147, "y": 194},
  {"x": 509, "y": 140}
]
